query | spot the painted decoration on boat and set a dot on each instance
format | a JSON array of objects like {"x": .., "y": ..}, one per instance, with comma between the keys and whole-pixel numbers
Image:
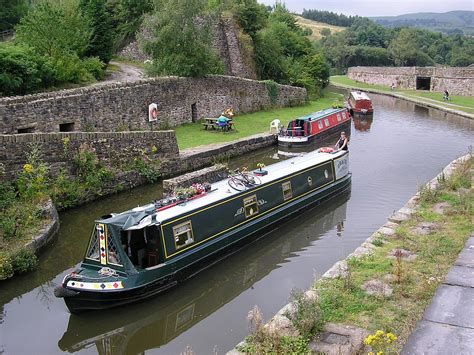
[
  {"x": 341, "y": 165},
  {"x": 96, "y": 286},
  {"x": 102, "y": 243}
]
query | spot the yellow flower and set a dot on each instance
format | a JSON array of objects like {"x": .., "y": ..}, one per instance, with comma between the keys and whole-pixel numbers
[
  {"x": 379, "y": 333},
  {"x": 380, "y": 353},
  {"x": 66, "y": 140},
  {"x": 370, "y": 353},
  {"x": 28, "y": 168}
]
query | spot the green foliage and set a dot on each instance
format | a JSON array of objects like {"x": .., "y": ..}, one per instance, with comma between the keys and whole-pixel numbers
[
  {"x": 7, "y": 195},
  {"x": 182, "y": 40},
  {"x": 149, "y": 170},
  {"x": 23, "y": 260},
  {"x": 100, "y": 23},
  {"x": 23, "y": 71},
  {"x": 328, "y": 17},
  {"x": 11, "y": 12},
  {"x": 369, "y": 44},
  {"x": 127, "y": 17},
  {"x": 250, "y": 15},
  {"x": 32, "y": 182},
  {"x": 306, "y": 316},
  {"x": 272, "y": 89},
  {"x": 54, "y": 29},
  {"x": 6, "y": 267}
]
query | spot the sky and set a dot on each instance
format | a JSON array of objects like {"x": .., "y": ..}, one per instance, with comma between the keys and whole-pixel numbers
[{"x": 376, "y": 7}]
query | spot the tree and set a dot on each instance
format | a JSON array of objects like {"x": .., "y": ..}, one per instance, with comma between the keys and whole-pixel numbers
[
  {"x": 250, "y": 15},
  {"x": 23, "y": 71},
  {"x": 100, "y": 23},
  {"x": 53, "y": 29},
  {"x": 181, "y": 44},
  {"x": 11, "y": 12}
]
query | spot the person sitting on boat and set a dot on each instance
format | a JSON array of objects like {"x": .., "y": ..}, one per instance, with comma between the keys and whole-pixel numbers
[
  {"x": 223, "y": 122},
  {"x": 342, "y": 143}
]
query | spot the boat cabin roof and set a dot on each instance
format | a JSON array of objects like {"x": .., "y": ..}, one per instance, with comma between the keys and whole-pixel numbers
[
  {"x": 143, "y": 216},
  {"x": 359, "y": 95},
  {"x": 320, "y": 114}
]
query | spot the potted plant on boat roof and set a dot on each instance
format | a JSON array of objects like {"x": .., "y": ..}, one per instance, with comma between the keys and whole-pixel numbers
[{"x": 260, "y": 171}]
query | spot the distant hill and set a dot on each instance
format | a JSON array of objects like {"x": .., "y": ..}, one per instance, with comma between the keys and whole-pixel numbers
[
  {"x": 448, "y": 22},
  {"x": 316, "y": 27}
]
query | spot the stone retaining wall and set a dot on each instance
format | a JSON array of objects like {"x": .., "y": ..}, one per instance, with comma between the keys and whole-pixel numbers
[
  {"x": 124, "y": 106},
  {"x": 212, "y": 174},
  {"x": 58, "y": 149},
  {"x": 196, "y": 158},
  {"x": 458, "y": 81}
]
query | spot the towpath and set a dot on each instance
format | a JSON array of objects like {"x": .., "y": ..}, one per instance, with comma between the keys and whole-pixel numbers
[{"x": 447, "y": 326}]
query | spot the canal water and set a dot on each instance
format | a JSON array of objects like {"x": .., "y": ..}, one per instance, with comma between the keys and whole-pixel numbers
[{"x": 394, "y": 153}]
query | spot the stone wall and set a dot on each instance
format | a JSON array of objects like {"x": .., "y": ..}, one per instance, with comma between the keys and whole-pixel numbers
[
  {"x": 211, "y": 174},
  {"x": 57, "y": 149},
  {"x": 196, "y": 158},
  {"x": 458, "y": 81},
  {"x": 226, "y": 41},
  {"x": 124, "y": 106}
]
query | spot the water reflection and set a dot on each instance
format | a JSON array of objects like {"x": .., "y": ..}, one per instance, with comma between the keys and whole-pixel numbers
[
  {"x": 363, "y": 123},
  {"x": 151, "y": 324}
]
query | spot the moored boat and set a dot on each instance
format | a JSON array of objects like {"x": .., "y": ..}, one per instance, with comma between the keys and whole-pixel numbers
[
  {"x": 139, "y": 253},
  {"x": 360, "y": 103},
  {"x": 316, "y": 126}
]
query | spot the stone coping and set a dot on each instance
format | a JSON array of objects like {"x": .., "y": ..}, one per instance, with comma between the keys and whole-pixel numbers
[
  {"x": 401, "y": 96},
  {"x": 340, "y": 268}
]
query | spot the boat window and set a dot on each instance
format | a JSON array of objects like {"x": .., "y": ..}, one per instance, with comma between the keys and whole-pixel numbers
[
  {"x": 320, "y": 124},
  {"x": 287, "y": 193},
  {"x": 326, "y": 122},
  {"x": 183, "y": 234},
  {"x": 339, "y": 116},
  {"x": 93, "y": 250},
  {"x": 250, "y": 206},
  {"x": 113, "y": 256}
]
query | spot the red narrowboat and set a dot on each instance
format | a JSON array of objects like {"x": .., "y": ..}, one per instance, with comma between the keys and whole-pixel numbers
[
  {"x": 360, "y": 103},
  {"x": 317, "y": 125}
]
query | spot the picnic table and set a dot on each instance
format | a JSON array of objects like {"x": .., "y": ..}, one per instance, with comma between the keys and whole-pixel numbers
[{"x": 211, "y": 122}]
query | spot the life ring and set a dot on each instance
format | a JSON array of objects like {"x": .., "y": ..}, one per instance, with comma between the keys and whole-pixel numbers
[
  {"x": 154, "y": 112},
  {"x": 326, "y": 150}
]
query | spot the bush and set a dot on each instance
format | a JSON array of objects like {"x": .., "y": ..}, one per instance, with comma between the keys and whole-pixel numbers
[
  {"x": 6, "y": 267},
  {"x": 24, "y": 260},
  {"x": 23, "y": 71},
  {"x": 7, "y": 195}
]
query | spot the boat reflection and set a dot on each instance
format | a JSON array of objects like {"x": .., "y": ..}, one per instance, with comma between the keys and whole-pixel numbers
[
  {"x": 156, "y": 322},
  {"x": 362, "y": 123}
]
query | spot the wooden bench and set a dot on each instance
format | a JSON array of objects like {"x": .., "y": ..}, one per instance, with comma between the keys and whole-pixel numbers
[{"x": 212, "y": 123}]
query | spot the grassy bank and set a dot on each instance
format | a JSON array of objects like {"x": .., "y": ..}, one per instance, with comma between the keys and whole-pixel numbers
[
  {"x": 413, "y": 281},
  {"x": 192, "y": 134},
  {"x": 462, "y": 103}
]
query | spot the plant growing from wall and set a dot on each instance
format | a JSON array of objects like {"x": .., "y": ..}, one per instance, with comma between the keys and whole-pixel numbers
[{"x": 272, "y": 90}]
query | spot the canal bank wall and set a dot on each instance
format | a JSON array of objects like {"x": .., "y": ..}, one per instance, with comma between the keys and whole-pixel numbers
[
  {"x": 343, "y": 339},
  {"x": 428, "y": 105}
]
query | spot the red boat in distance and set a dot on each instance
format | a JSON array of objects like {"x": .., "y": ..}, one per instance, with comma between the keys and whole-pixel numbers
[
  {"x": 359, "y": 103},
  {"x": 315, "y": 126}
]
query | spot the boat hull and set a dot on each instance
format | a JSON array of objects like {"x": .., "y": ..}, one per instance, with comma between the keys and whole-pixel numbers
[
  {"x": 285, "y": 141},
  {"x": 83, "y": 300}
]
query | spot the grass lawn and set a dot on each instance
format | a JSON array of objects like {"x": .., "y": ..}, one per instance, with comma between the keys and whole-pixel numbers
[
  {"x": 463, "y": 103},
  {"x": 192, "y": 134}
]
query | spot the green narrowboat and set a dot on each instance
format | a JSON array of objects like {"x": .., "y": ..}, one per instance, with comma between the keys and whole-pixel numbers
[{"x": 139, "y": 253}]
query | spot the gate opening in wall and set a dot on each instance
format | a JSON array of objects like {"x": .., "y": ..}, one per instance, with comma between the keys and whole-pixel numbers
[
  {"x": 423, "y": 83},
  {"x": 194, "y": 115}
]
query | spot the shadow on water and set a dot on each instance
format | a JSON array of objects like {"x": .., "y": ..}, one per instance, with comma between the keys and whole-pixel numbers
[{"x": 145, "y": 326}]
